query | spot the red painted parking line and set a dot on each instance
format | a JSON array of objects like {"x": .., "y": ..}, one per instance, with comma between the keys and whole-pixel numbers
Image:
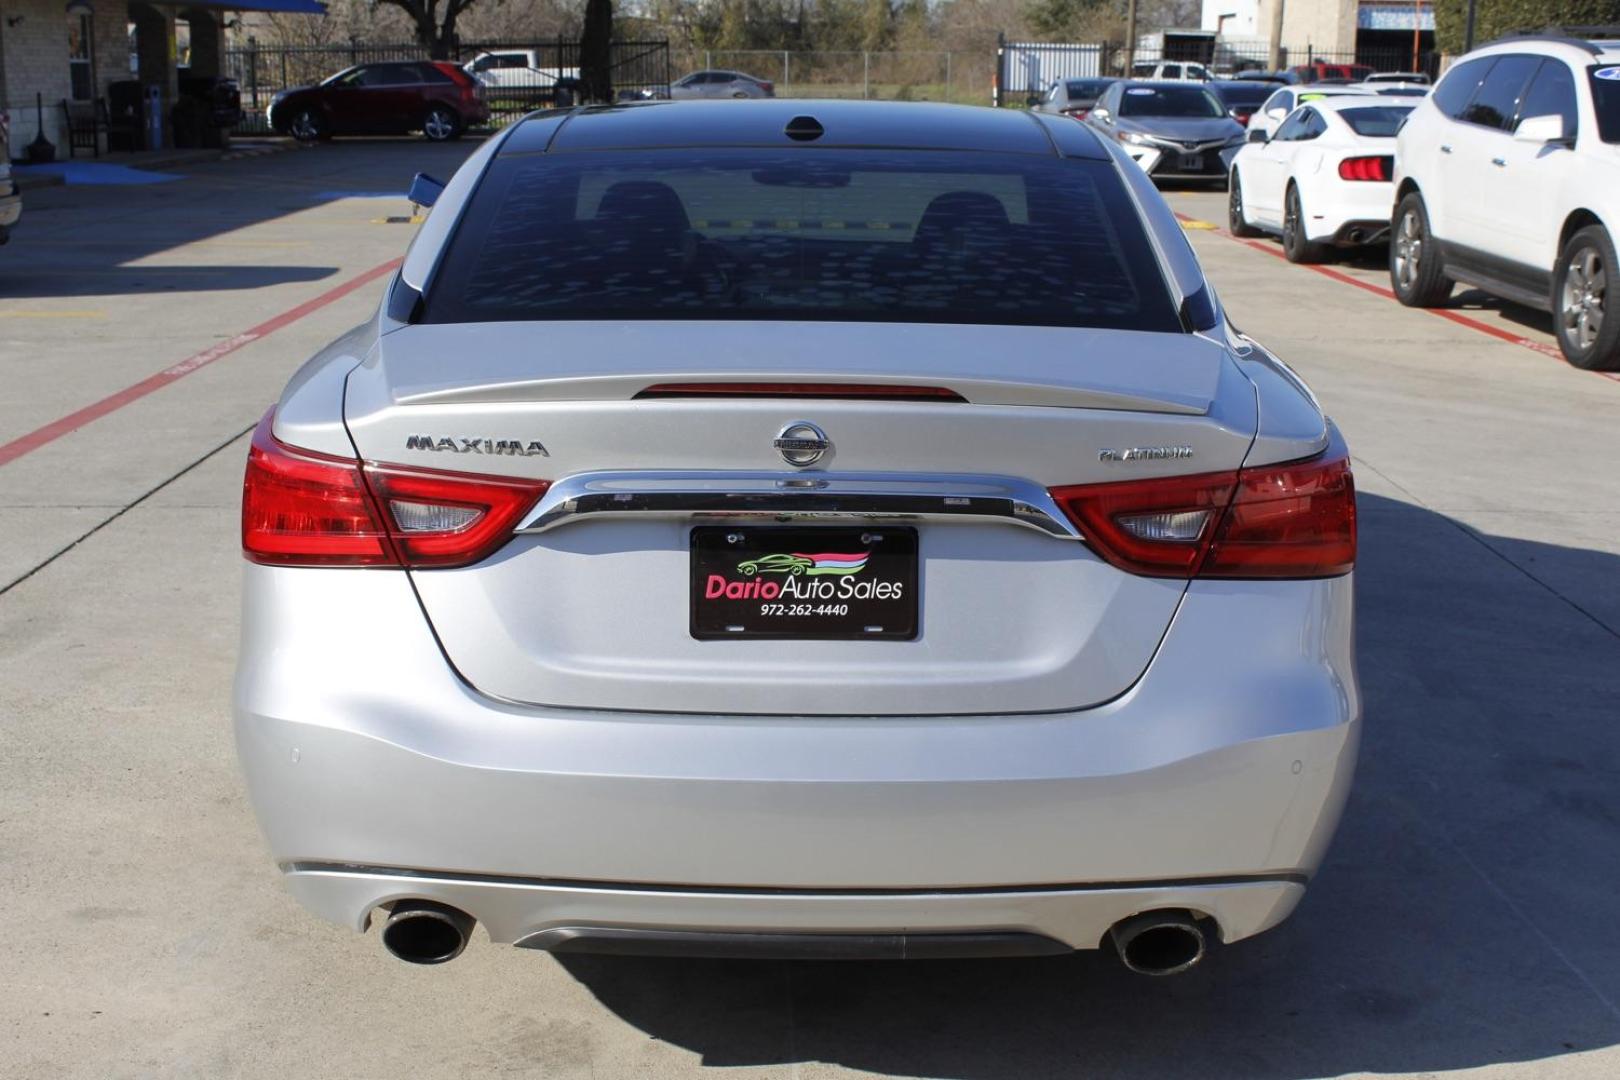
[
  {"x": 1378, "y": 290},
  {"x": 43, "y": 436}
]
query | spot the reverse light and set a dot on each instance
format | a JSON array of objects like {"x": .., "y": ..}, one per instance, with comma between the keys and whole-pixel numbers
[
  {"x": 301, "y": 508},
  {"x": 1367, "y": 168},
  {"x": 1295, "y": 520}
]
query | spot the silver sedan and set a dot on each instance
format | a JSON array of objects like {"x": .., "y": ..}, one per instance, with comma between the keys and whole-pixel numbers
[
  {"x": 799, "y": 529},
  {"x": 720, "y": 84}
]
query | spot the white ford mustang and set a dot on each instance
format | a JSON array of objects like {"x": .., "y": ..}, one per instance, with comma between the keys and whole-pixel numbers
[{"x": 1323, "y": 180}]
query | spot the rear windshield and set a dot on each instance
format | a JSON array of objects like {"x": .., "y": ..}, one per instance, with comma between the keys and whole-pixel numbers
[
  {"x": 1606, "y": 100},
  {"x": 1087, "y": 88},
  {"x": 1246, "y": 95},
  {"x": 1183, "y": 101},
  {"x": 804, "y": 234},
  {"x": 1377, "y": 122}
]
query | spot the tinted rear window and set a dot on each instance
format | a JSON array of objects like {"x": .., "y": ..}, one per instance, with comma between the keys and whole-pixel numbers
[
  {"x": 1087, "y": 89},
  {"x": 1180, "y": 101},
  {"x": 808, "y": 234},
  {"x": 1606, "y": 100},
  {"x": 1246, "y": 96},
  {"x": 1377, "y": 122}
]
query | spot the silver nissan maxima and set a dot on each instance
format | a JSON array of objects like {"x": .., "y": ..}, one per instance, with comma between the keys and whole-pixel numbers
[{"x": 809, "y": 529}]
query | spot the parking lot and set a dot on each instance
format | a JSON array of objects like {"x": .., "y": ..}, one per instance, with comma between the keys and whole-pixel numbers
[{"x": 1464, "y": 919}]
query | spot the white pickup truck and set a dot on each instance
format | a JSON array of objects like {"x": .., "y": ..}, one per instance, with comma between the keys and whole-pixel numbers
[{"x": 517, "y": 70}]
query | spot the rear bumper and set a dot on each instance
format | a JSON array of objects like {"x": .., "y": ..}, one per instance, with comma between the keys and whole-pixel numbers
[
  {"x": 1214, "y": 784},
  {"x": 1335, "y": 208},
  {"x": 560, "y": 916}
]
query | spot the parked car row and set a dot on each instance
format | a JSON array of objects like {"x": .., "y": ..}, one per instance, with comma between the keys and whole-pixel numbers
[{"x": 1506, "y": 179}]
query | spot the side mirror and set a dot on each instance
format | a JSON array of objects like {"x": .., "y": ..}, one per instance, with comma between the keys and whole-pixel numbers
[
  {"x": 1033, "y": 100},
  {"x": 425, "y": 190},
  {"x": 1540, "y": 129},
  {"x": 1258, "y": 135}
]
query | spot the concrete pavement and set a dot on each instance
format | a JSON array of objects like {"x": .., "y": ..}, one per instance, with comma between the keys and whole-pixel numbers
[{"x": 1463, "y": 921}]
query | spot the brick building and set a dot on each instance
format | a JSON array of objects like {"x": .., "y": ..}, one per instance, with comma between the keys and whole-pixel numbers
[{"x": 73, "y": 50}]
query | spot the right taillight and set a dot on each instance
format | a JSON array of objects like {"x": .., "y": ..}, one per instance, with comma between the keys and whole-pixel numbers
[
  {"x": 1367, "y": 168},
  {"x": 1296, "y": 520},
  {"x": 1288, "y": 521},
  {"x": 301, "y": 508}
]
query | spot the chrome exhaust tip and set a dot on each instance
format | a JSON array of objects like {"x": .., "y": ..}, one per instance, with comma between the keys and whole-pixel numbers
[
  {"x": 1159, "y": 942},
  {"x": 426, "y": 932}
]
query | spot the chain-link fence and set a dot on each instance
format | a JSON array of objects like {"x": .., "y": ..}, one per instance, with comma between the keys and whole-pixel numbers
[
  {"x": 516, "y": 76},
  {"x": 890, "y": 76}
]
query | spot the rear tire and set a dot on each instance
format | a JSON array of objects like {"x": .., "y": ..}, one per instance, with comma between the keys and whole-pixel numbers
[
  {"x": 1416, "y": 271},
  {"x": 1587, "y": 333},
  {"x": 1234, "y": 211},
  {"x": 441, "y": 124},
  {"x": 1298, "y": 247}
]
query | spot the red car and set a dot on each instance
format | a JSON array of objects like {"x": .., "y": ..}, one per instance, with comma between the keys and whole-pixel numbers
[{"x": 438, "y": 99}]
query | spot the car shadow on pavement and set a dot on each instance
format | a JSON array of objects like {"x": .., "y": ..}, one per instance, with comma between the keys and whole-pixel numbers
[
  {"x": 46, "y": 282},
  {"x": 76, "y": 241},
  {"x": 1465, "y": 915}
]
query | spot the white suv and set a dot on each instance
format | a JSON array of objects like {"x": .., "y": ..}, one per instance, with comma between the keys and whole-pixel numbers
[{"x": 1507, "y": 178}]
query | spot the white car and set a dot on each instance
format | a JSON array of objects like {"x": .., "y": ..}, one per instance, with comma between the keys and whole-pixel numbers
[
  {"x": 1170, "y": 71},
  {"x": 721, "y": 84},
  {"x": 1323, "y": 180},
  {"x": 1508, "y": 180},
  {"x": 1398, "y": 78}
]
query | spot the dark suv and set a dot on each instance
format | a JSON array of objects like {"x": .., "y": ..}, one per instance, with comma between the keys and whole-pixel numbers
[{"x": 438, "y": 99}]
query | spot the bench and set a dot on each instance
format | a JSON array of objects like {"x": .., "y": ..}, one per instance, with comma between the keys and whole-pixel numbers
[{"x": 86, "y": 123}]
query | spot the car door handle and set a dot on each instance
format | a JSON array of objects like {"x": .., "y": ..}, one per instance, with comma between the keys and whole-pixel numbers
[
  {"x": 1499, "y": 163},
  {"x": 1444, "y": 149}
]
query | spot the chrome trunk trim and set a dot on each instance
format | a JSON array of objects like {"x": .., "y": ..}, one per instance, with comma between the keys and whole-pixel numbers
[{"x": 797, "y": 497}]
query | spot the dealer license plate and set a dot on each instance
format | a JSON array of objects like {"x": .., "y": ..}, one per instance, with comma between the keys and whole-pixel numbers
[{"x": 810, "y": 583}]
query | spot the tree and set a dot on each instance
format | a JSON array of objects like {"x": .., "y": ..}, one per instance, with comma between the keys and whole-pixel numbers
[
  {"x": 435, "y": 22},
  {"x": 1493, "y": 18},
  {"x": 595, "y": 51}
]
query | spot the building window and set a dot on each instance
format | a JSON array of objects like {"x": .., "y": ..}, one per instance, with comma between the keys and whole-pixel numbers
[{"x": 80, "y": 27}]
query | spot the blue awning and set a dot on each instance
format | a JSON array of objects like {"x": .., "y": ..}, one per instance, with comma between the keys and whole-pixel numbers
[{"x": 285, "y": 7}]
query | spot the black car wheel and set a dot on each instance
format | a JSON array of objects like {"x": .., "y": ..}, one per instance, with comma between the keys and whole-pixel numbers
[
  {"x": 1234, "y": 211},
  {"x": 441, "y": 124},
  {"x": 1416, "y": 271},
  {"x": 1586, "y": 267},
  {"x": 1296, "y": 245},
  {"x": 307, "y": 126}
]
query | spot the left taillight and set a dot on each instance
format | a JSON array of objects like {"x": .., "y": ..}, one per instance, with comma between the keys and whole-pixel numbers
[
  {"x": 1295, "y": 520},
  {"x": 301, "y": 508}
]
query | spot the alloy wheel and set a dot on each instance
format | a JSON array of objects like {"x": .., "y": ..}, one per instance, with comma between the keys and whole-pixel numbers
[
  {"x": 1408, "y": 249},
  {"x": 439, "y": 125},
  {"x": 1581, "y": 305},
  {"x": 305, "y": 127}
]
